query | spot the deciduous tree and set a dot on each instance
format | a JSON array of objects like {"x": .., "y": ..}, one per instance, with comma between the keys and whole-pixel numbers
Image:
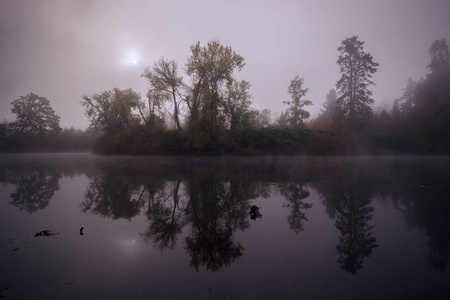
[
  {"x": 165, "y": 84},
  {"x": 111, "y": 111},
  {"x": 237, "y": 103},
  {"x": 34, "y": 116},
  {"x": 210, "y": 68}
]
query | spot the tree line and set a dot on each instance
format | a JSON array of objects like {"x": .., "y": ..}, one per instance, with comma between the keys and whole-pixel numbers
[
  {"x": 37, "y": 128},
  {"x": 206, "y": 110}
]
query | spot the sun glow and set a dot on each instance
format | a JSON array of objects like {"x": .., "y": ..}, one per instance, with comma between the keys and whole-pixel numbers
[{"x": 131, "y": 58}]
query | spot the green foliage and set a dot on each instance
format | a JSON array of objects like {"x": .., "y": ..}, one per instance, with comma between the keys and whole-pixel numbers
[
  {"x": 237, "y": 103},
  {"x": 211, "y": 68},
  {"x": 111, "y": 111}
]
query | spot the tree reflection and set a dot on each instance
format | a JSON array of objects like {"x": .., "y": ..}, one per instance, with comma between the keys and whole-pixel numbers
[
  {"x": 428, "y": 209},
  {"x": 356, "y": 241},
  {"x": 166, "y": 218},
  {"x": 295, "y": 194},
  {"x": 35, "y": 187},
  {"x": 218, "y": 208},
  {"x": 347, "y": 199},
  {"x": 113, "y": 196}
]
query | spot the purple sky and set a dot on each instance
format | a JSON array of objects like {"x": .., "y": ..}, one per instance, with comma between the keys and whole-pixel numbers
[{"x": 64, "y": 49}]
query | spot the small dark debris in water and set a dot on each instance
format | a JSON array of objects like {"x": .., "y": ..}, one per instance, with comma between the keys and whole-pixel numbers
[
  {"x": 45, "y": 233},
  {"x": 81, "y": 231},
  {"x": 15, "y": 249},
  {"x": 254, "y": 212},
  {"x": 210, "y": 291},
  {"x": 72, "y": 282}
]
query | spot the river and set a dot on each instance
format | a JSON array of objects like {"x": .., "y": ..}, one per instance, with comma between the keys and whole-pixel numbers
[{"x": 81, "y": 226}]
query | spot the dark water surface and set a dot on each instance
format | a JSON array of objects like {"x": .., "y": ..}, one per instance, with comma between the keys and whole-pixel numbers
[{"x": 180, "y": 228}]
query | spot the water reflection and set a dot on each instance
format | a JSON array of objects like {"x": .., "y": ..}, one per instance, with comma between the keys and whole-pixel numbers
[
  {"x": 114, "y": 196},
  {"x": 295, "y": 195},
  {"x": 166, "y": 213},
  {"x": 202, "y": 204},
  {"x": 356, "y": 241},
  {"x": 218, "y": 208},
  {"x": 428, "y": 209},
  {"x": 34, "y": 185}
]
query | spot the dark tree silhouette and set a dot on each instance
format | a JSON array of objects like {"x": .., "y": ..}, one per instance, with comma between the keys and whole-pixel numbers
[
  {"x": 34, "y": 116},
  {"x": 357, "y": 67}
]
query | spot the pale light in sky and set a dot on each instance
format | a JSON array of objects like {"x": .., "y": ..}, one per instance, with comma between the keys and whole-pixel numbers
[
  {"x": 131, "y": 58},
  {"x": 64, "y": 49}
]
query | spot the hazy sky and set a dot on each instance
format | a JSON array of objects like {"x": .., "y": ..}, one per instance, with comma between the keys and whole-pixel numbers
[{"x": 64, "y": 49}]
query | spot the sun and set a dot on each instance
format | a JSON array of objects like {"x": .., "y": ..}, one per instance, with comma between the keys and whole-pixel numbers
[{"x": 131, "y": 58}]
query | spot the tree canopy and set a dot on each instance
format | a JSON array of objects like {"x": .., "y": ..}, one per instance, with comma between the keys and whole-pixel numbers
[
  {"x": 34, "y": 116},
  {"x": 111, "y": 111}
]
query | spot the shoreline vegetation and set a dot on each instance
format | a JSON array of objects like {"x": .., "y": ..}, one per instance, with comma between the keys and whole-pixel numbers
[{"x": 207, "y": 111}]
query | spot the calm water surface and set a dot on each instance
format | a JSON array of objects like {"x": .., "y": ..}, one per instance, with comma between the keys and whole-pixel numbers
[{"x": 181, "y": 228}]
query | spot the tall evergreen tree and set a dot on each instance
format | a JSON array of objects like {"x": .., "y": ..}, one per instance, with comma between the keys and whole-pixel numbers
[{"x": 357, "y": 67}]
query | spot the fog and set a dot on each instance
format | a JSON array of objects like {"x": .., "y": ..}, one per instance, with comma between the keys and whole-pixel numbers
[{"x": 64, "y": 49}]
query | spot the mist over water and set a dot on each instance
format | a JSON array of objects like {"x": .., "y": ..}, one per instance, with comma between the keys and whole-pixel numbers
[{"x": 176, "y": 227}]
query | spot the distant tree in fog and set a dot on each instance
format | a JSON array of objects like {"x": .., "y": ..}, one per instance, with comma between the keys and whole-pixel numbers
[
  {"x": 34, "y": 116},
  {"x": 439, "y": 57},
  {"x": 264, "y": 118},
  {"x": 425, "y": 104},
  {"x": 354, "y": 97},
  {"x": 295, "y": 112},
  {"x": 329, "y": 108},
  {"x": 237, "y": 103}
]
